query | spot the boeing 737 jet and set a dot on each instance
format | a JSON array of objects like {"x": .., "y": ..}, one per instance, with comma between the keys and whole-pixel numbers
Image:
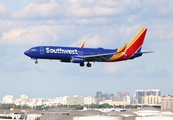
[{"x": 81, "y": 55}]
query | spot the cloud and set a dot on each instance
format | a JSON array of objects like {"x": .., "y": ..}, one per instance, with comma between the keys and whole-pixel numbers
[
  {"x": 91, "y": 40},
  {"x": 3, "y": 9},
  {"x": 112, "y": 20},
  {"x": 107, "y": 36},
  {"x": 40, "y": 1},
  {"x": 132, "y": 18},
  {"x": 88, "y": 8},
  {"x": 74, "y": 8},
  {"x": 156, "y": 10},
  {"x": 4, "y": 12},
  {"x": 33, "y": 10},
  {"x": 30, "y": 35},
  {"x": 91, "y": 21},
  {"x": 94, "y": 11},
  {"x": 155, "y": 72},
  {"x": 119, "y": 68},
  {"x": 157, "y": 33}
]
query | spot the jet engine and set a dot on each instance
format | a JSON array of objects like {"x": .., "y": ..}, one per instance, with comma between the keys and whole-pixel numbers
[{"x": 77, "y": 60}]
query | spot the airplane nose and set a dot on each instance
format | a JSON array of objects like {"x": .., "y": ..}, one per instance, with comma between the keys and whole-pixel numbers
[{"x": 26, "y": 53}]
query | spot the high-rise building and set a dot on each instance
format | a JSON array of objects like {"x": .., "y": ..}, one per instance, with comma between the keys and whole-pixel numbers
[
  {"x": 8, "y": 99},
  {"x": 107, "y": 96},
  {"x": 151, "y": 100},
  {"x": 24, "y": 99},
  {"x": 89, "y": 100},
  {"x": 98, "y": 96},
  {"x": 121, "y": 95},
  {"x": 141, "y": 93},
  {"x": 167, "y": 102},
  {"x": 35, "y": 101},
  {"x": 73, "y": 100}
]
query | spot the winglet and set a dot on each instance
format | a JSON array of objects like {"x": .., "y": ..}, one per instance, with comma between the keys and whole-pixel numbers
[{"x": 83, "y": 44}]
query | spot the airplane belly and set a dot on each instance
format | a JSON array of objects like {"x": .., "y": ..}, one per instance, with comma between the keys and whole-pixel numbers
[{"x": 54, "y": 56}]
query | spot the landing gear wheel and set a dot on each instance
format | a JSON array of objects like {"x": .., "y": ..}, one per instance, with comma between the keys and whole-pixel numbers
[
  {"x": 36, "y": 62},
  {"x": 82, "y": 64},
  {"x": 88, "y": 64}
]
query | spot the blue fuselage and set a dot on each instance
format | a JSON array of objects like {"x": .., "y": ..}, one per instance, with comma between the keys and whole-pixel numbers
[{"x": 66, "y": 53}]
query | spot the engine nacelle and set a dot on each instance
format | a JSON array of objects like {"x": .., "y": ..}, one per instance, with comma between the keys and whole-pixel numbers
[{"x": 77, "y": 60}]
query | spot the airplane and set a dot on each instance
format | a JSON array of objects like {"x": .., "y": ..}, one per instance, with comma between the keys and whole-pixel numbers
[{"x": 81, "y": 55}]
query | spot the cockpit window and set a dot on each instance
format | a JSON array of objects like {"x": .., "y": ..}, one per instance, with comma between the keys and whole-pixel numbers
[{"x": 32, "y": 49}]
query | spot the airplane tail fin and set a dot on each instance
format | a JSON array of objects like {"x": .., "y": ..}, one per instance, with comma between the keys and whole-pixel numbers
[
  {"x": 132, "y": 49},
  {"x": 135, "y": 45}
]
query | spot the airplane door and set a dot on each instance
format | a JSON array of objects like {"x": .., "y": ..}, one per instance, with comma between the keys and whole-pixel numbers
[
  {"x": 41, "y": 50},
  {"x": 80, "y": 53}
]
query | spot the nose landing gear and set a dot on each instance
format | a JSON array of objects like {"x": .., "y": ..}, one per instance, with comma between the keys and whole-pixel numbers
[{"x": 36, "y": 62}]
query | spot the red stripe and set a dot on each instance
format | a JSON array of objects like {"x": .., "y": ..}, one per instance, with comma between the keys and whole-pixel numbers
[{"x": 136, "y": 45}]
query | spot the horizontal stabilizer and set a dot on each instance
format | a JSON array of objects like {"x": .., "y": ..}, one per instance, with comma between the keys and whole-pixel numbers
[{"x": 143, "y": 52}]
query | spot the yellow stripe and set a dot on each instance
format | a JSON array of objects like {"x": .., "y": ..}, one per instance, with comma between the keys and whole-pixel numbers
[
  {"x": 116, "y": 56},
  {"x": 122, "y": 48},
  {"x": 136, "y": 37}
]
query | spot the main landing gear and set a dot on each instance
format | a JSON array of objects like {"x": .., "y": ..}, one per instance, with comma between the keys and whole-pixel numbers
[
  {"x": 88, "y": 64},
  {"x": 82, "y": 64}
]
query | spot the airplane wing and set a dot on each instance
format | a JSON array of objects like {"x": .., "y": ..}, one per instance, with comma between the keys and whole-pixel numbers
[
  {"x": 98, "y": 57},
  {"x": 103, "y": 57}
]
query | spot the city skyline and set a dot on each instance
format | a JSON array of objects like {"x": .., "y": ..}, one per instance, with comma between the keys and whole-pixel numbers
[
  {"x": 107, "y": 24},
  {"x": 140, "y": 97},
  {"x": 101, "y": 94}
]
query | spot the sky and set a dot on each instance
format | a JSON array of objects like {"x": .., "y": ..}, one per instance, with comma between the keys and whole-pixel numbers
[{"x": 104, "y": 23}]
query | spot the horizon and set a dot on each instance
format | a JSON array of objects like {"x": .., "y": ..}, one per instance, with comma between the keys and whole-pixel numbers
[{"x": 107, "y": 24}]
